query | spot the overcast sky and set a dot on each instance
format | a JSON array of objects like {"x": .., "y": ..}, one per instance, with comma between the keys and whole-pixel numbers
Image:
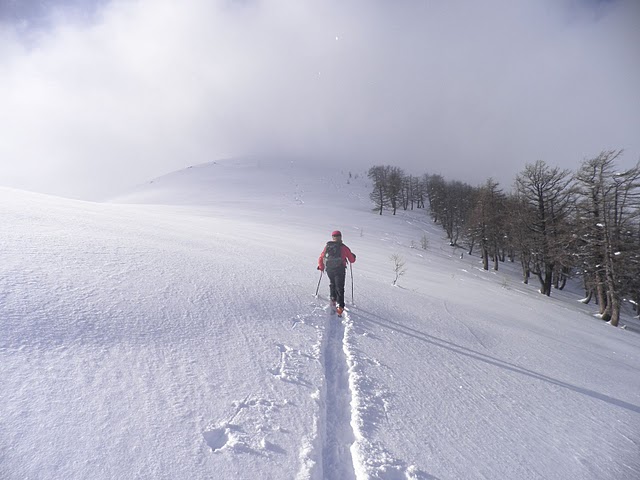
[{"x": 97, "y": 96}]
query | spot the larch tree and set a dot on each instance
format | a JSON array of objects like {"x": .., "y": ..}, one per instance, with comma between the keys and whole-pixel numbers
[
  {"x": 608, "y": 212},
  {"x": 394, "y": 184},
  {"x": 486, "y": 222},
  {"x": 378, "y": 175},
  {"x": 547, "y": 190}
]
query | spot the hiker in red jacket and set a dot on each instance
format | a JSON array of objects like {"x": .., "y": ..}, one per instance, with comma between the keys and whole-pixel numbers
[{"x": 333, "y": 260}]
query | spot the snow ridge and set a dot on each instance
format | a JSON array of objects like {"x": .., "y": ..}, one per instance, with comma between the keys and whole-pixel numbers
[{"x": 371, "y": 459}]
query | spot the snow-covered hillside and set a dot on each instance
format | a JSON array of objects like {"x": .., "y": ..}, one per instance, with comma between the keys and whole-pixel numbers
[{"x": 174, "y": 334}]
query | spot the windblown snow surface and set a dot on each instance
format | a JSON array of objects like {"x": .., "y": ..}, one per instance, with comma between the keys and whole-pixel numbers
[{"x": 174, "y": 334}]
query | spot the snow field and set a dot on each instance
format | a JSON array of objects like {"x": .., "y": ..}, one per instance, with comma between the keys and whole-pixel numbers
[{"x": 177, "y": 337}]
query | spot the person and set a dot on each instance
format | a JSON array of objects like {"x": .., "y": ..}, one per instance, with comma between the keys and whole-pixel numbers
[{"x": 333, "y": 260}]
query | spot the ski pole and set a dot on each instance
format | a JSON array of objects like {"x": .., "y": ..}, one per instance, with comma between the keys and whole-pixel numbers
[
  {"x": 319, "y": 280},
  {"x": 351, "y": 270}
]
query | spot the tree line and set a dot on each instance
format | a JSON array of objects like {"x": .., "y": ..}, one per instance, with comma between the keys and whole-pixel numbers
[{"x": 555, "y": 223}]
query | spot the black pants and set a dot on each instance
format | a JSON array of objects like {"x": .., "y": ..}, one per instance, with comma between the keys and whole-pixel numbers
[{"x": 336, "y": 285}]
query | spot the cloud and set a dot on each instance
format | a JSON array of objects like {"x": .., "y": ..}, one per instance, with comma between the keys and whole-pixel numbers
[{"x": 465, "y": 89}]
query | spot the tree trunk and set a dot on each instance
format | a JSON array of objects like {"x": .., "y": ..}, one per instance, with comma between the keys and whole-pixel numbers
[
  {"x": 454, "y": 240},
  {"x": 615, "y": 310},
  {"x": 606, "y": 311},
  {"x": 601, "y": 294},
  {"x": 548, "y": 280},
  {"x": 547, "y": 285},
  {"x": 564, "y": 282},
  {"x": 526, "y": 273},
  {"x": 526, "y": 269},
  {"x": 485, "y": 258},
  {"x": 613, "y": 294}
]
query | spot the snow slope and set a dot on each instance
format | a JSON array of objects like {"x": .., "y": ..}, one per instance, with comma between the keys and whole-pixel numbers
[{"x": 174, "y": 333}]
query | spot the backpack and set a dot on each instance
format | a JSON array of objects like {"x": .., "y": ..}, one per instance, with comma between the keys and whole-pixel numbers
[{"x": 333, "y": 256}]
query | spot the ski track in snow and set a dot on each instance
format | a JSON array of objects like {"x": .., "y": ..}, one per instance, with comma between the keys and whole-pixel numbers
[
  {"x": 353, "y": 408},
  {"x": 338, "y": 434}
]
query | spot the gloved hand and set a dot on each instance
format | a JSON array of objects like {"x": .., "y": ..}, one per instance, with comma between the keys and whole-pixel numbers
[
  {"x": 318, "y": 268},
  {"x": 354, "y": 257}
]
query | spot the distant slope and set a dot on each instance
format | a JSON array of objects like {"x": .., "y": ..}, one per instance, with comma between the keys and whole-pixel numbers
[{"x": 252, "y": 181}]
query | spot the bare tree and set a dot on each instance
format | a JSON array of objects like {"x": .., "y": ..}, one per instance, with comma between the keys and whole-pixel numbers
[
  {"x": 378, "y": 176},
  {"x": 414, "y": 183},
  {"x": 421, "y": 191},
  {"x": 486, "y": 222},
  {"x": 520, "y": 214},
  {"x": 435, "y": 189},
  {"x": 608, "y": 212},
  {"x": 398, "y": 266},
  {"x": 395, "y": 177},
  {"x": 388, "y": 187},
  {"x": 406, "y": 192},
  {"x": 547, "y": 190},
  {"x": 634, "y": 280},
  {"x": 459, "y": 199},
  {"x": 424, "y": 242}
]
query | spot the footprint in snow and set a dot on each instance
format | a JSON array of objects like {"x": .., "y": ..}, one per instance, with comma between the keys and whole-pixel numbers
[
  {"x": 291, "y": 365},
  {"x": 216, "y": 438}
]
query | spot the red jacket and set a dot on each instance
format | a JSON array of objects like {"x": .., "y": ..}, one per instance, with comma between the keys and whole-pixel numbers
[{"x": 345, "y": 253}]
